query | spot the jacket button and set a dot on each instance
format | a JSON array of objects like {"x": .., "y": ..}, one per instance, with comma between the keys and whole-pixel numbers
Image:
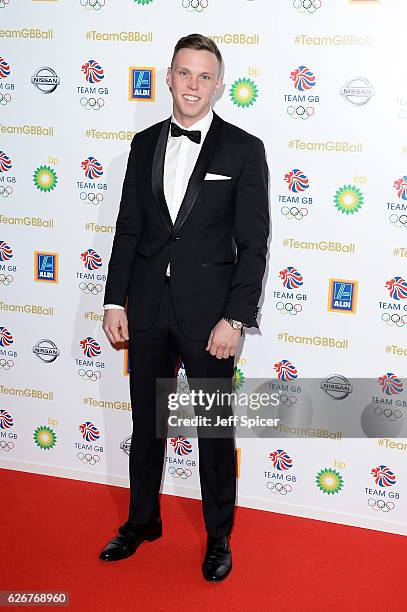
[{"x": 175, "y": 238}]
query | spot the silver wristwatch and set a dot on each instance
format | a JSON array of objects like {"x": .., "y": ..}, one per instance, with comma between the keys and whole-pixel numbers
[{"x": 235, "y": 324}]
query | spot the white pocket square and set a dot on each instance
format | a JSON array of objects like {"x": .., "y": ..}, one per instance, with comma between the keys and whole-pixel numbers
[{"x": 216, "y": 177}]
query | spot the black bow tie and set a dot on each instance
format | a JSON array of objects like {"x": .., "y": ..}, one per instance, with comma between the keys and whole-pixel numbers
[{"x": 194, "y": 135}]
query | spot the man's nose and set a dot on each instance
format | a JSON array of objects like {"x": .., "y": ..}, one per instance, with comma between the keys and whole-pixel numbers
[{"x": 193, "y": 83}]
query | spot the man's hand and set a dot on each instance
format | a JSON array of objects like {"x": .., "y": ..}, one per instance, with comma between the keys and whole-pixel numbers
[
  {"x": 223, "y": 340},
  {"x": 115, "y": 325}
]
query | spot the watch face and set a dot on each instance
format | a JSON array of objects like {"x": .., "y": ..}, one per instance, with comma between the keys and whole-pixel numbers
[{"x": 236, "y": 325}]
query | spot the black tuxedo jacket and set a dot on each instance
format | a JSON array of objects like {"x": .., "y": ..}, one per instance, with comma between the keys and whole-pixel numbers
[{"x": 218, "y": 244}]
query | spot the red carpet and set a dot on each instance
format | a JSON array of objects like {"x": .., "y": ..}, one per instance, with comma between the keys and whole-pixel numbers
[{"x": 53, "y": 529}]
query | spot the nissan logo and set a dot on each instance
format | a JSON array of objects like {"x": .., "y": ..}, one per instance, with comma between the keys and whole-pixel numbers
[{"x": 45, "y": 79}]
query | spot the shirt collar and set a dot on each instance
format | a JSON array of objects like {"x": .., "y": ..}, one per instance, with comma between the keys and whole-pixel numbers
[{"x": 203, "y": 124}]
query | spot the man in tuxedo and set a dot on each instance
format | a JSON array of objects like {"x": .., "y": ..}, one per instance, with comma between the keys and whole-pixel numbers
[{"x": 188, "y": 257}]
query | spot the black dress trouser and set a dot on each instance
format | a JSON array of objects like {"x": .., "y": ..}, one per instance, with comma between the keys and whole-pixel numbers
[{"x": 153, "y": 355}]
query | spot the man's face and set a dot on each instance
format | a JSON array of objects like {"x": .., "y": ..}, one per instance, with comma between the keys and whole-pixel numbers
[{"x": 193, "y": 79}]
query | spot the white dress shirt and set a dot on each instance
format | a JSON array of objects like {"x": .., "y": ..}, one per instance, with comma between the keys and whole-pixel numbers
[{"x": 181, "y": 156}]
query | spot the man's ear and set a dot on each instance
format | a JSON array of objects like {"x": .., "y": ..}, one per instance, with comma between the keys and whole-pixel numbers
[
  {"x": 218, "y": 85},
  {"x": 168, "y": 77}
]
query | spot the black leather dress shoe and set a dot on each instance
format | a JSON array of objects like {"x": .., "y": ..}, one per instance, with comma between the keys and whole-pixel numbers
[
  {"x": 128, "y": 540},
  {"x": 218, "y": 559}
]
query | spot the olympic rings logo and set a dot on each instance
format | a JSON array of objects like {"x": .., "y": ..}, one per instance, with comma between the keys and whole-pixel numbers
[
  {"x": 179, "y": 472},
  {"x": 5, "y": 99},
  {"x": 307, "y": 6},
  {"x": 391, "y": 415},
  {"x": 300, "y": 112},
  {"x": 394, "y": 319},
  {"x": 398, "y": 221},
  {"x": 92, "y": 103},
  {"x": 6, "y": 446},
  {"x": 4, "y": 3},
  {"x": 294, "y": 212},
  {"x": 91, "y": 198},
  {"x": 6, "y": 279},
  {"x": 89, "y": 374},
  {"x": 288, "y": 308},
  {"x": 287, "y": 401},
  {"x": 195, "y": 5},
  {"x": 5, "y": 191},
  {"x": 88, "y": 458},
  {"x": 6, "y": 364},
  {"x": 277, "y": 487},
  {"x": 92, "y": 5},
  {"x": 88, "y": 288},
  {"x": 380, "y": 504}
]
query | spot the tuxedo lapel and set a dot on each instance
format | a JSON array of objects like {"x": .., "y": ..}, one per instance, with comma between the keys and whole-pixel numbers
[
  {"x": 198, "y": 175},
  {"x": 157, "y": 175}
]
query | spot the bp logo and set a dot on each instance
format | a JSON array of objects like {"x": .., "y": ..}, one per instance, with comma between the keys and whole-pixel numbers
[
  {"x": 45, "y": 437},
  {"x": 238, "y": 378},
  {"x": 243, "y": 92},
  {"x": 329, "y": 481},
  {"x": 45, "y": 178},
  {"x": 348, "y": 199}
]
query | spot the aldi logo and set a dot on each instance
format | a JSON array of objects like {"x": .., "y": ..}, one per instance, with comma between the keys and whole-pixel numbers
[
  {"x": 342, "y": 295},
  {"x": 141, "y": 84},
  {"x": 45, "y": 267}
]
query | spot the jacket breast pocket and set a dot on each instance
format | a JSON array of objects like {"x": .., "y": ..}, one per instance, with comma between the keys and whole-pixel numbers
[{"x": 219, "y": 184}]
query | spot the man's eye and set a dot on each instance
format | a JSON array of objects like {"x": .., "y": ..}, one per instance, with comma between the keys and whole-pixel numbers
[{"x": 206, "y": 77}]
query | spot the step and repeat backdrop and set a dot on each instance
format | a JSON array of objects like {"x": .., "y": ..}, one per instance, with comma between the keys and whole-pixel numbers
[{"x": 323, "y": 83}]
